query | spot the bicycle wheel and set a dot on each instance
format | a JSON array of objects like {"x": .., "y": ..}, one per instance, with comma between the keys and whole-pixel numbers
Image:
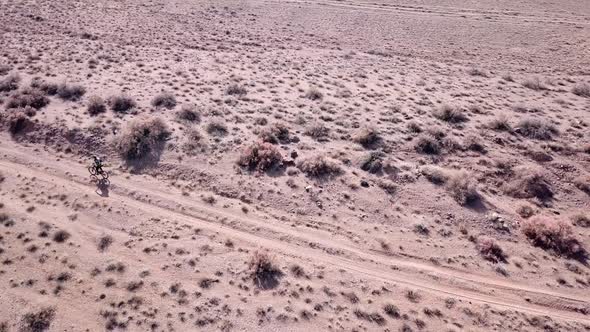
[
  {"x": 92, "y": 170},
  {"x": 104, "y": 174}
]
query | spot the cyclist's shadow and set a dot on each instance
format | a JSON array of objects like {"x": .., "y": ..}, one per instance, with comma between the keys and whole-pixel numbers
[{"x": 102, "y": 187}]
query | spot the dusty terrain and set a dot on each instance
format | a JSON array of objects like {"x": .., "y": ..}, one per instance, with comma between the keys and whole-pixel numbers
[{"x": 295, "y": 165}]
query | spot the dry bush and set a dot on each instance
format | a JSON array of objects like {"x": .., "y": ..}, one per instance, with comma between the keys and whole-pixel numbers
[
  {"x": 263, "y": 270},
  {"x": 318, "y": 131},
  {"x": 529, "y": 183},
  {"x": 260, "y": 156},
  {"x": 18, "y": 122},
  {"x": 474, "y": 143},
  {"x": 236, "y": 90},
  {"x": 427, "y": 144},
  {"x": 61, "y": 236},
  {"x": 501, "y": 123},
  {"x": 525, "y": 211},
  {"x": 4, "y": 69},
  {"x": 37, "y": 322},
  {"x": 536, "y": 129},
  {"x": 121, "y": 103},
  {"x": 188, "y": 113},
  {"x": 582, "y": 90},
  {"x": 71, "y": 92},
  {"x": 477, "y": 72},
  {"x": 31, "y": 97},
  {"x": 216, "y": 128},
  {"x": 414, "y": 127},
  {"x": 450, "y": 114},
  {"x": 534, "y": 84},
  {"x": 314, "y": 94},
  {"x": 367, "y": 137},
  {"x": 164, "y": 100},
  {"x": 391, "y": 310},
  {"x": 96, "y": 105},
  {"x": 9, "y": 83},
  {"x": 277, "y": 133},
  {"x": 434, "y": 174},
  {"x": 372, "y": 162},
  {"x": 319, "y": 166},
  {"x": 578, "y": 219},
  {"x": 462, "y": 188},
  {"x": 583, "y": 184},
  {"x": 48, "y": 88},
  {"x": 193, "y": 140},
  {"x": 374, "y": 317},
  {"x": 490, "y": 249},
  {"x": 553, "y": 235},
  {"x": 141, "y": 138}
]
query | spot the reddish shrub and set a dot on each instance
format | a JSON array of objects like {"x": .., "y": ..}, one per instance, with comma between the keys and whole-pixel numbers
[
  {"x": 260, "y": 156},
  {"x": 490, "y": 249},
  {"x": 553, "y": 235}
]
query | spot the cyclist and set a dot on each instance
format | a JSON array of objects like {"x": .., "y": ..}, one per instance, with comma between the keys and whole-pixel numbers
[{"x": 98, "y": 164}]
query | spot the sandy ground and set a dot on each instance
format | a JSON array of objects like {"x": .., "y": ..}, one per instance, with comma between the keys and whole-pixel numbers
[{"x": 450, "y": 192}]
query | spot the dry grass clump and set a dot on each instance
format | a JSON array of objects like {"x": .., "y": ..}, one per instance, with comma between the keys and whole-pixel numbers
[
  {"x": 314, "y": 94},
  {"x": 264, "y": 271},
  {"x": 490, "y": 249},
  {"x": 391, "y": 310},
  {"x": 236, "y": 90},
  {"x": 373, "y": 317},
  {"x": 372, "y": 162},
  {"x": 193, "y": 140},
  {"x": 318, "y": 131},
  {"x": 96, "y": 105},
  {"x": 38, "y": 321},
  {"x": 216, "y": 128},
  {"x": 427, "y": 144},
  {"x": 477, "y": 72},
  {"x": 61, "y": 236},
  {"x": 450, "y": 114},
  {"x": 367, "y": 137},
  {"x": 141, "y": 138},
  {"x": 260, "y": 156},
  {"x": 582, "y": 90},
  {"x": 71, "y": 92},
  {"x": 536, "y": 129},
  {"x": 164, "y": 100},
  {"x": 462, "y": 188},
  {"x": 188, "y": 113},
  {"x": 9, "y": 83},
  {"x": 122, "y": 103},
  {"x": 578, "y": 219},
  {"x": 277, "y": 133},
  {"x": 28, "y": 96},
  {"x": 434, "y": 174},
  {"x": 501, "y": 123},
  {"x": 319, "y": 166},
  {"x": 534, "y": 84},
  {"x": 553, "y": 235},
  {"x": 48, "y": 88},
  {"x": 583, "y": 183},
  {"x": 529, "y": 183}
]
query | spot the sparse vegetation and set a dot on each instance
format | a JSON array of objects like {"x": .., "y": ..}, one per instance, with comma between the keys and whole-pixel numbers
[
  {"x": 9, "y": 83},
  {"x": 71, "y": 92},
  {"x": 450, "y": 114},
  {"x": 319, "y": 166},
  {"x": 263, "y": 271},
  {"x": 582, "y": 90},
  {"x": 367, "y": 137},
  {"x": 38, "y": 321},
  {"x": 121, "y": 103},
  {"x": 427, "y": 144},
  {"x": 462, "y": 188},
  {"x": 536, "y": 129},
  {"x": 164, "y": 100},
  {"x": 314, "y": 94},
  {"x": 188, "y": 113},
  {"x": 501, "y": 123},
  {"x": 61, "y": 236},
  {"x": 554, "y": 235},
  {"x": 530, "y": 183},
  {"x": 490, "y": 249},
  {"x": 27, "y": 97},
  {"x": 260, "y": 156},
  {"x": 318, "y": 131},
  {"x": 96, "y": 105},
  {"x": 277, "y": 133},
  {"x": 216, "y": 128},
  {"x": 236, "y": 90},
  {"x": 18, "y": 122},
  {"x": 391, "y": 310},
  {"x": 141, "y": 138},
  {"x": 534, "y": 83}
]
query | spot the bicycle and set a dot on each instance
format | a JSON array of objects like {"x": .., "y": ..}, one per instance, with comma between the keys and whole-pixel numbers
[{"x": 96, "y": 171}]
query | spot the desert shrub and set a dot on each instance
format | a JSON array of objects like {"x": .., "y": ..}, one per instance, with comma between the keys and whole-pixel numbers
[
  {"x": 48, "y": 88},
  {"x": 536, "y": 129},
  {"x": 529, "y": 183},
  {"x": 477, "y": 72},
  {"x": 31, "y": 97},
  {"x": 4, "y": 69},
  {"x": 434, "y": 174},
  {"x": 462, "y": 187},
  {"x": 582, "y": 90},
  {"x": 277, "y": 133},
  {"x": 141, "y": 138},
  {"x": 263, "y": 270},
  {"x": 427, "y": 144},
  {"x": 96, "y": 105},
  {"x": 474, "y": 143},
  {"x": 490, "y": 249},
  {"x": 193, "y": 140},
  {"x": 372, "y": 162},
  {"x": 314, "y": 94},
  {"x": 501, "y": 123},
  {"x": 164, "y": 100},
  {"x": 373, "y": 317},
  {"x": 450, "y": 114},
  {"x": 70, "y": 91},
  {"x": 188, "y": 113},
  {"x": 61, "y": 236},
  {"x": 367, "y": 137},
  {"x": 319, "y": 166},
  {"x": 121, "y": 103},
  {"x": 391, "y": 310},
  {"x": 18, "y": 122},
  {"x": 260, "y": 156},
  {"x": 534, "y": 83},
  {"x": 578, "y": 219},
  {"x": 216, "y": 128},
  {"x": 525, "y": 211},
  {"x": 9, "y": 83},
  {"x": 37, "y": 322},
  {"x": 105, "y": 242},
  {"x": 414, "y": 127},
  {"x": 236, "y": 89},
  {"x": 583, "y": 184},
  {"x": 553, "y": 235},
  {"x": 318, "y": 131}
]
